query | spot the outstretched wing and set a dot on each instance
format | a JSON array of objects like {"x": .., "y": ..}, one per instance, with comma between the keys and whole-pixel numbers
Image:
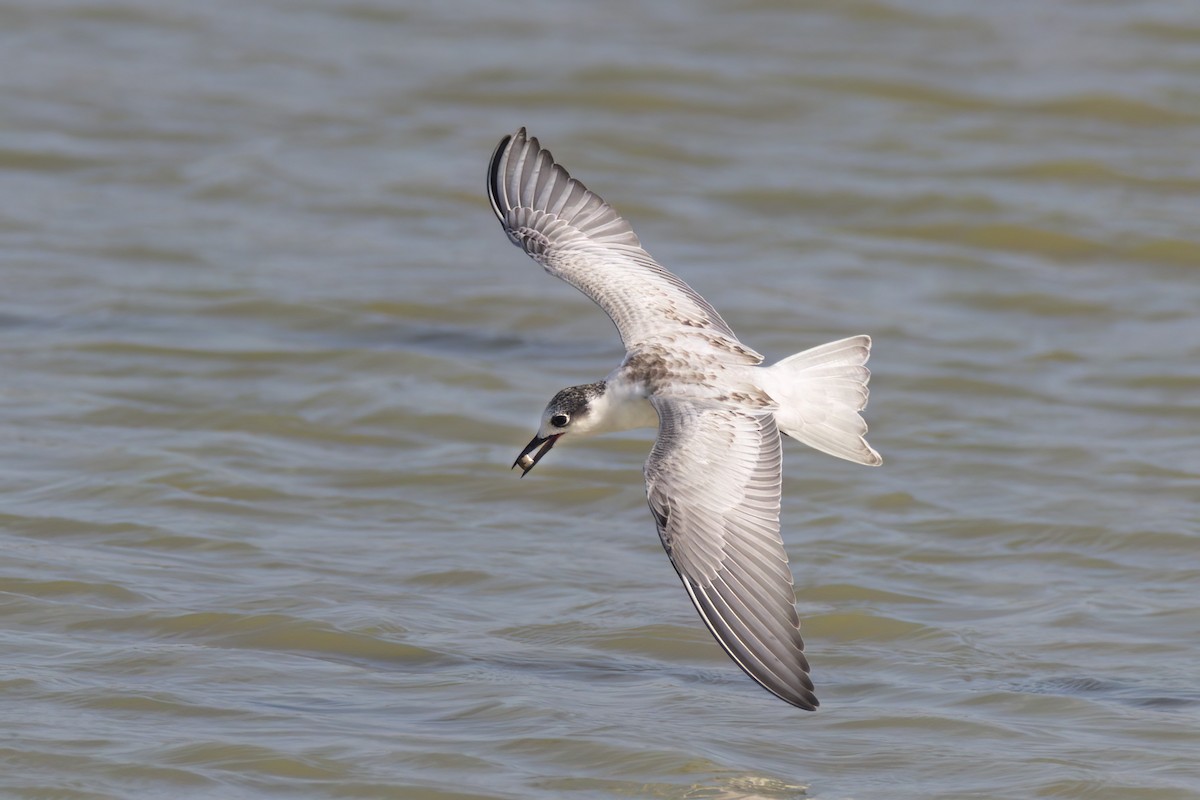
[
  {"x": 578, "y": 237},
  {"x": 713, "y": 483}
]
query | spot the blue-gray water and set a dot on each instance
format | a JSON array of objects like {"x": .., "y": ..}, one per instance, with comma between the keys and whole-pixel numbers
[{"x": 266, "y": 358}]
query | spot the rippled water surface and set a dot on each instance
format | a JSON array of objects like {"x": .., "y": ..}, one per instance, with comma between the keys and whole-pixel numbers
[{"x": 267, "y": 357}]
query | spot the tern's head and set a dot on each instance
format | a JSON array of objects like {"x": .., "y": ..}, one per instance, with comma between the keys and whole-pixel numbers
[{"x": 574, "y": 411}]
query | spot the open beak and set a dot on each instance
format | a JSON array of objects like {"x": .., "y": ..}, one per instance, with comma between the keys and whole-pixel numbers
[{"x": 525, "y": 461}]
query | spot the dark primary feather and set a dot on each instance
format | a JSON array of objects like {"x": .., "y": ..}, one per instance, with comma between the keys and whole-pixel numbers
[
  {"x": 579, "y": 238},
  {"x": 713, "y": 484}
]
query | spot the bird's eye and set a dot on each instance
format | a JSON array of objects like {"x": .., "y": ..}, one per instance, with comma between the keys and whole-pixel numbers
[{"x": 560, "y": 420}]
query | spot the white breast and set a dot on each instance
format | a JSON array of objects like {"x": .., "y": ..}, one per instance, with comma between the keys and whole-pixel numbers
[{"x": 623, "y": 406}]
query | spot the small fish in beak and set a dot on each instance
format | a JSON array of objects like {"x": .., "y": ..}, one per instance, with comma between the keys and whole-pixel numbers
[{"x": 525, "y": 461}]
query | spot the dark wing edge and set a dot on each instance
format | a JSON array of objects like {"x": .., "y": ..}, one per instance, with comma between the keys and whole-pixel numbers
[
  {"x": 555, "y": 219},
  {"x": 722, "y": 617},
  {"x": 523, "y": 175},
  {"x": 746, "y": 602}
]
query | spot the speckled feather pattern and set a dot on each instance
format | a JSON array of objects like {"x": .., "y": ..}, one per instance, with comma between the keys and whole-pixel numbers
[{"x": 714, "y": 475}]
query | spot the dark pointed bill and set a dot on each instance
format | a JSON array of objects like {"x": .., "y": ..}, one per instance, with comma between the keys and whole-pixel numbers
[{"x": 525, "y": 461}]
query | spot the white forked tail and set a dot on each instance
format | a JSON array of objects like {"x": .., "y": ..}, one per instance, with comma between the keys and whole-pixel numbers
[{"x": 820, "y": 393}]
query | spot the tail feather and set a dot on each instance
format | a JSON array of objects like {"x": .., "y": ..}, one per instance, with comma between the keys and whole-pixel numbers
[{"x": 820, "y": 393}]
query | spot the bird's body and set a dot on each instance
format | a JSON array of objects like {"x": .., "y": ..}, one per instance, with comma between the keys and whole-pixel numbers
[{"x": 713, "y": 477}]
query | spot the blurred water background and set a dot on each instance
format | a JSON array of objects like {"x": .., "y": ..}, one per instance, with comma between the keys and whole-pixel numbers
[{"x": 266, "y": 358}]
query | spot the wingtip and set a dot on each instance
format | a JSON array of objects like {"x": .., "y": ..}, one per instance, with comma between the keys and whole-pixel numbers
[
  {"x": 802, "y": 703},
  {"x": 496, "y": 168},
  {"x": 791, "y": 685},
  {"x": 493, "y": 175}
]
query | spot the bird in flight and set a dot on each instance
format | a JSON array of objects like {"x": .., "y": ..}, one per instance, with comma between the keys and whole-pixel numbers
[{"x": 713, "y": 477}]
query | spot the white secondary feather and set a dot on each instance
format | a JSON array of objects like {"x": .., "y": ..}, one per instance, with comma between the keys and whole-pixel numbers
[{"x": 713, "y": 478}]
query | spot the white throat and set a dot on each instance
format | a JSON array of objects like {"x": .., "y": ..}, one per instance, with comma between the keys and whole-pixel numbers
[{"x": 623, "y": 406}]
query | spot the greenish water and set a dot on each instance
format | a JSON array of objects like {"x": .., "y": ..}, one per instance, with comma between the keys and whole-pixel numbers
[{"x": 267, "y": 357}]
